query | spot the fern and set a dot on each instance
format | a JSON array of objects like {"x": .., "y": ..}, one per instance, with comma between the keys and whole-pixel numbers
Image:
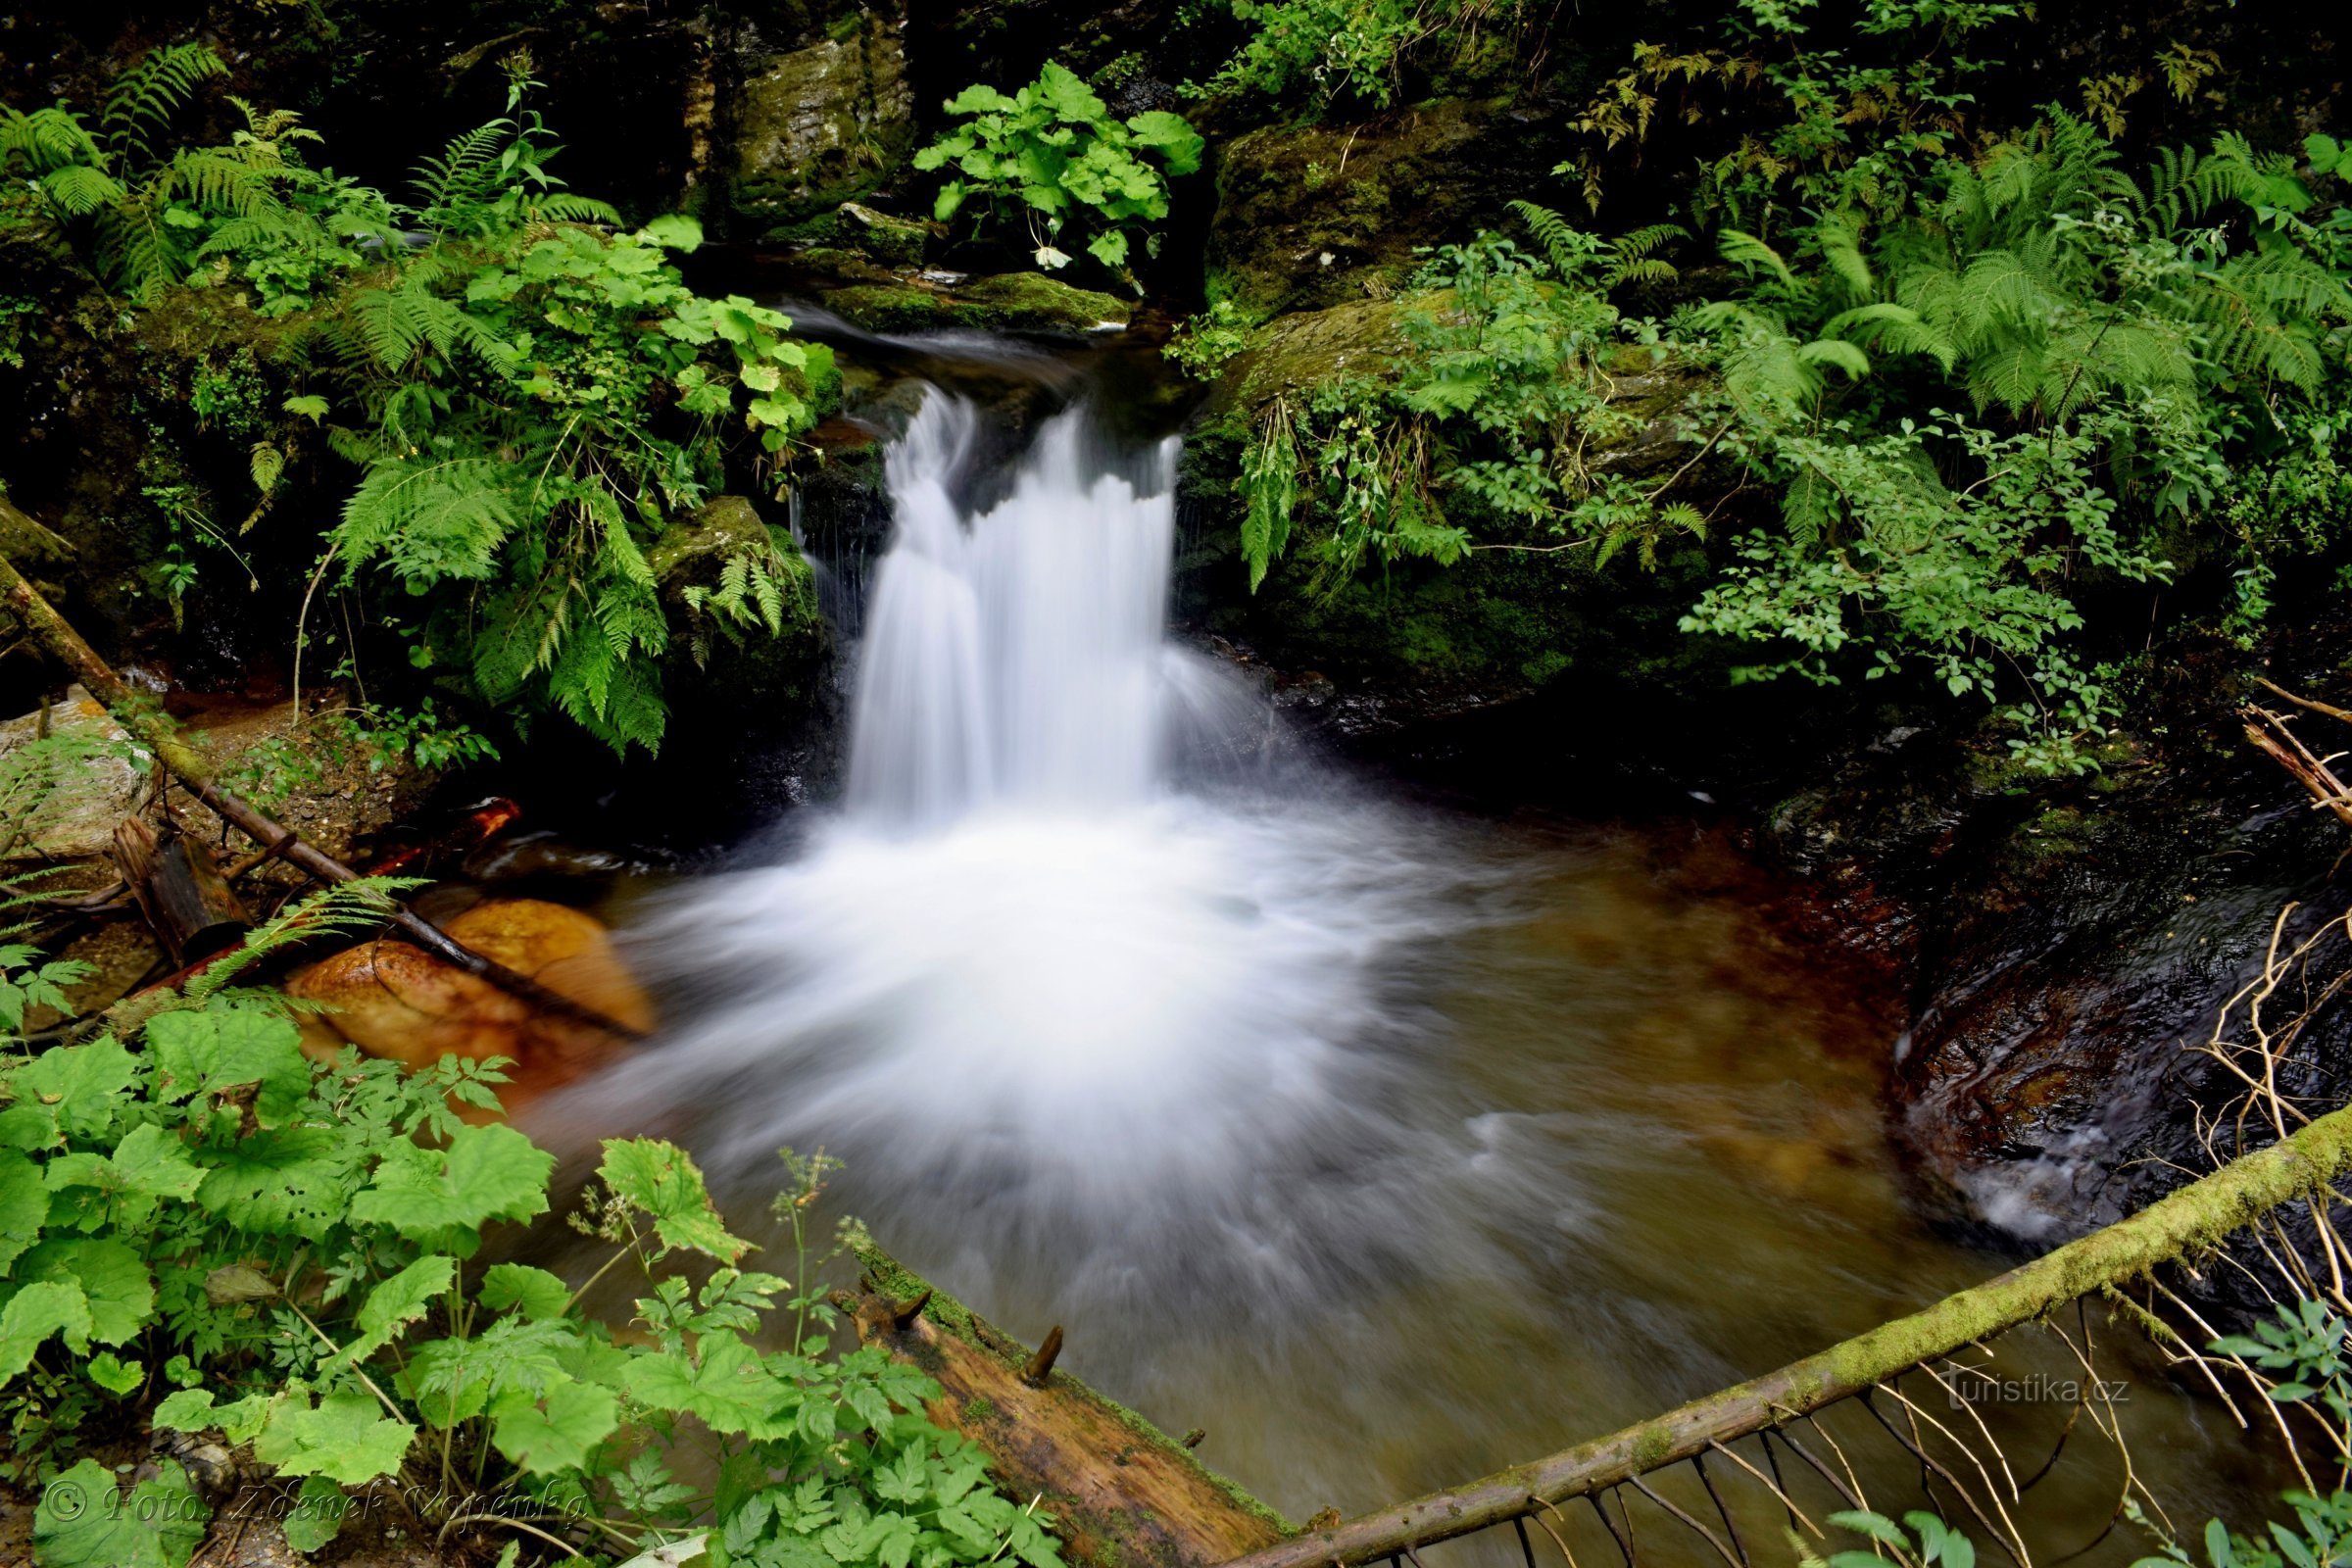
[{"x": 142, "y": 101}]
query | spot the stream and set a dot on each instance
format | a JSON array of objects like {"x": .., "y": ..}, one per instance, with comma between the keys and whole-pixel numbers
[{"x": 1387, "y": 1143}]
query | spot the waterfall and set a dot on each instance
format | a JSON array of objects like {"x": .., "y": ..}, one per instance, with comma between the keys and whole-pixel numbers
[{"x": 1017, "y": 656}]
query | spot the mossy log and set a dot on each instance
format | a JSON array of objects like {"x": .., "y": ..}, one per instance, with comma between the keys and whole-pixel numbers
[
  {"x": 2187, "y": 1222},
  {"x": 1122, "y": 1493}
]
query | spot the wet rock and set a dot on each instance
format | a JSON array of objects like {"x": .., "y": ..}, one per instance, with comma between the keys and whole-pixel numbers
[
  {"x": 1004, "y": 302},
  {"x": 395, "y": 1000},
  {"x": 820, "y": 124},
  {"x": 62, "y": 803},
  {"x": 1314, "y": 216},
  {"x": 747, "y": 602},
  {"x": 2068, "y": 944}
]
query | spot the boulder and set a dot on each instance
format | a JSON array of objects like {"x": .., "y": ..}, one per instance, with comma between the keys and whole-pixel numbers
[
  {"x": 62, "y": 803},
  {"x": 819, "y": 125},
  {"x": 1002, "y": 302},
  {"x": 722, "y": 659},
  {"x": 396, "y": 1001},
  {"x": 1320, "y": 215}
]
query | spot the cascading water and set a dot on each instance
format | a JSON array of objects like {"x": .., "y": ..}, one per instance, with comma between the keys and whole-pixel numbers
[
  {"x": 1385, "y": 1145},
  {"x": 1016, "y": 658}
]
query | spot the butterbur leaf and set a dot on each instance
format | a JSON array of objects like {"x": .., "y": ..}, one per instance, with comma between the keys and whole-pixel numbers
[
  {"x": 213, "y": 1053},
  {"x": 1172, "y": 137},
  {"x": 394, "y": 1304},
  {"x": 672, "y": 231},
  {"x": 34, "y": 1315},
  {"x": 485, "y": 1173},
  {"x": 538, "y": 1294},
  {"x": 110, "y": 1277},
  {"x": 317, "y": 1515},
  {"x": 23, "y": 1206},
  {"x": 345, "y": 1438},
  {"x": 662, "y": 1180},
  {"x": 85, "y": 1521},
  {"x": 284, "y": 1182},
  {"x": 80, "y": 1084},
  {"x": 728, "y": 1392},
  {"x": 556, "y": 1431}
]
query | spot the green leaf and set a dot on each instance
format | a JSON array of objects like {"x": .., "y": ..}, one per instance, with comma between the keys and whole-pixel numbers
[
  {"x": 308, "y": 406},
  {"x": 394, "y": 1304},
  {"x": 82, "y": 1084},
  {"x": 672, "y": 231},
  {"x": 539, "y": 1295},
  {"x": 346, "y": 1438},
  {"x": 1109, "y": 247},
  {"x": 730, "y": 1390},
  {"x": 85, "y": 1521},
  {"x": 485, "y": 1173},
  {"x": 217, "y": 1052},
  {"x": 23, "y": 1206},
  {"x": 317, "y": 1515},
  {"x": 36, "y": 1312},
  {"x": 111, "y": 1276},
  {"x": 114, "y": 1374},
  {"x": 555, "y": 1431},
  {"x": 662, "y": 1180},
  {"x": 284, "y": 1182},
  {"x": 1172, "y": 136}
]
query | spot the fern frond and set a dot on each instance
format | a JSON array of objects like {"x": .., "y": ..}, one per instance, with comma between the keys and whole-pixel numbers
[
  {"x": 143, "y": 99},
  {"x": 429, "y": 521}
]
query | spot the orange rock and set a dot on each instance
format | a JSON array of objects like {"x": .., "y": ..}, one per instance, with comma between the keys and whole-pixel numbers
[{"x": 396, "y": 1001}]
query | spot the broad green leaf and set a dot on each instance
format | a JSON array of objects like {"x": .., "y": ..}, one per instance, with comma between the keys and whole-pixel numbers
[
  {"x": 730, "y": 1390},
  {"x": 214, "y": 1051},
  {"x": 114, "y": 1374},
  {"x": 555, "y": 1431},
  {"x": 346, "y": 1436},
  {"x": 486, "y": 1173},
  {"x": 308, "y": 406},
  {"x": 662, "y": 1180},
  {"x": 539, "y": 1294},
  {"x": 317, "y": 1515},
  {"x": 81, "y": 1084},
  {"x": 394, "y": 1304},
  {"x": 672, "y": 231},
  {"x": 85, "y": 1521},
  {"x": 36, "y": 1312},
  {"x": 111, "y": 1276},
  {"x": 1172, "y": 136},
  {"x": 23, "y": 1206}
]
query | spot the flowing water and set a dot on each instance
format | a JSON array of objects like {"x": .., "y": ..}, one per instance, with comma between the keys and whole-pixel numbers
[{"x": 1385, "y": 1144}]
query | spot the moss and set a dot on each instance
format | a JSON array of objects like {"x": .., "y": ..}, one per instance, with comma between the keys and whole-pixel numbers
[
  {"x": 820, "y": 125},
  {"x": 1314, "y": 216},
  {"x": 950, "y": 1315},
  {"x": 1007, "y": 302}
]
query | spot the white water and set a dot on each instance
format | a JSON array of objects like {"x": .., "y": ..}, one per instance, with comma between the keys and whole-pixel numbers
[
  {"x": 1021, "y": 965},
  {"x": 1386, "y": 1148}
]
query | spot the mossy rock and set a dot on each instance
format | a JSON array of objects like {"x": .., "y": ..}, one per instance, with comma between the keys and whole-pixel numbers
[
  {"x": 1315, "y": 215},
  {"x": 820, "y": 125},
  {"x": 1007, "y": 302},
  {"x": 716, "y": 661}
]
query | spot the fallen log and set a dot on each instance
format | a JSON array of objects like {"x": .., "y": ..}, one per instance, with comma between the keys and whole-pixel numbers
[
  {"x": 194, "y": 774},
  {"x": 1122, "y": 1493},
  {"x": 2192, "y": 1220},
  {"x": 188, "y": 903}
]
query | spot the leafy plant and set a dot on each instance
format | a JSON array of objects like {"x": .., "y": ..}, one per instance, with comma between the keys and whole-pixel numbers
[
  {"x": 281, "y": 1250},
  {"x": 1051, "y": 154}
]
